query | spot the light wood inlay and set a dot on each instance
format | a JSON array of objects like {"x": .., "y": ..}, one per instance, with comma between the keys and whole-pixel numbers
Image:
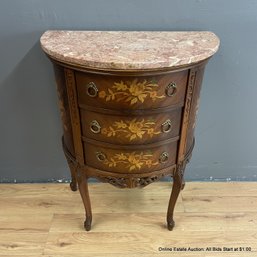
[{"x": 74, "y": 114}]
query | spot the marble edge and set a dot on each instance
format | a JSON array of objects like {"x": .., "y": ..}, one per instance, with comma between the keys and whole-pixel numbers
[{"x": 104, "y": 65}]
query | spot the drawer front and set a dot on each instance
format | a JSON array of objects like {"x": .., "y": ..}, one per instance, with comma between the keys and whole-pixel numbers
[
  {"x": 131, "y": 92},
  {"x": 124, "y": 160},
  {"x": 121, "y": 129}
]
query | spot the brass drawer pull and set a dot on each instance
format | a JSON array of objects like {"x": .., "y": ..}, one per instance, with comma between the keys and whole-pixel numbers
[
  {"x": 166, "y": 126},
  {"x": 164, "y": 157},
  {"x": 100, "y": 156},
  {"x": 92, "y": 90},
  {"x": 171, "y": 89},
  {"x": 95, "y": 127}
]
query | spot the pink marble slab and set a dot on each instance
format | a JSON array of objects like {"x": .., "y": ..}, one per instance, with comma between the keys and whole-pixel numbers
[{"x": 127, "y": 50}]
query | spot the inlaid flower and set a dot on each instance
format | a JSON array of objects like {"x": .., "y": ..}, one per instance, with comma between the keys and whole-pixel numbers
[
  {"x": 132, "y": 91},
  {"x": 151, "y": 132},
  {"x": 111, "y": 132},
  {"x": 136, "y": 127},
  {"x": 132, "y": 161},
  {"x": 148, "y": 163},
  {"x": 120, "y": 124},
  {"x": 132, "y": 129},
  {"x": 153, "y": 94},
  {"x": 121, "y": 156},
  {"x": 120, "y": 86},
  {"x": 102, "y": 94}
]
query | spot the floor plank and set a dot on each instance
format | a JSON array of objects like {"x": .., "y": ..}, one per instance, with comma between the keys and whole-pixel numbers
[
  {"x": 47, "y": 220},
  {"x": 28, "y": 223},
  {"x": 156, "y": 222},
  {"x": 220, "y": 203},
  {"x": 180, "y": 254},
  {"x": 230, "y": 188},
  {"x": 59, "y": 199},
  {"x": 140, "y": 242},
  {"x": 34, "y": 190},
  {"x": 13, "y": 243},
  {"x": 40, "y": 206}
]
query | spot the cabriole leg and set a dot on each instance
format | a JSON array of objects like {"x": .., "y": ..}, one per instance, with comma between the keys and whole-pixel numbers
[
  {"x": 83, "y": 189},
  {"x": 73, "y": 171},
  {"x": 72, "y": 165},
  {"x": 176, "y": 188}
]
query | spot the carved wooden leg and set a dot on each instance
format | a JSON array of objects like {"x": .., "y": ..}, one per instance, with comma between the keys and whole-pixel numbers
[
  {"x": 72, "y": 165},
  {"x": 177, "y": 186},
  {"x": 73, "y": 171},
  {"x": 83, "y": 189}
]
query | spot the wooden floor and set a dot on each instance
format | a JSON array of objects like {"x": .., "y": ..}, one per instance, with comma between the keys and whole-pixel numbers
[{"x": 47, "y": 220}]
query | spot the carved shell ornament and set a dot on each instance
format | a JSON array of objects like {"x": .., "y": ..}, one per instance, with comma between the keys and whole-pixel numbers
[{"x": 131, "y": 91}]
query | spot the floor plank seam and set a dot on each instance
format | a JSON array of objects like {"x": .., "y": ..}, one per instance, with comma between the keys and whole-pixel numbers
[{"x": 48, "y": 234}]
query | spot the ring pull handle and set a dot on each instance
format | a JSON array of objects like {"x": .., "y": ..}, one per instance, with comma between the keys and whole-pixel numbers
[
  {"x": 100, "y": 156},
  {"x": 166, "y": 126},
  {"x": 164, "y": 157},
  {"x": 171, "y": 89},
  {"x": 92, "y": 89},
  {"x": 95, "y": 127}
]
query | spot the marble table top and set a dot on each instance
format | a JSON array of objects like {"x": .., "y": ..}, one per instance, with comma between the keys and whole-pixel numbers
[{"x": 129, "y": 50}]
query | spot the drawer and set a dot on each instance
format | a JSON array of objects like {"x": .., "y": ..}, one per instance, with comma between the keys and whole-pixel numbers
[
  {"x": 130, "y": 159},
  {"x": 131, "y": 92},
  {"x": 122, "y": 129}
]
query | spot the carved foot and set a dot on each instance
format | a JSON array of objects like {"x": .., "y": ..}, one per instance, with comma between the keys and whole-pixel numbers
[
  {"x": 170, "y": 225},
  {"x": 73, "y": 186},
  {"x": 87, "y": 224}
]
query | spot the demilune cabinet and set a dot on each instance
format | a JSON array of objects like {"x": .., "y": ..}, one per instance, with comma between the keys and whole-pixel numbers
[{"x": 128, "y": 103}]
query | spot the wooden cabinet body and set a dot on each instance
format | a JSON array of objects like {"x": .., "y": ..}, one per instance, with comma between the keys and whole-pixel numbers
[{"x": 128, "y": 127}]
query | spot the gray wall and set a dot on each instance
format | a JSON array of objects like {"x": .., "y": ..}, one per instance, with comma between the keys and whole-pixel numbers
[{"x": 30, "y": 128}]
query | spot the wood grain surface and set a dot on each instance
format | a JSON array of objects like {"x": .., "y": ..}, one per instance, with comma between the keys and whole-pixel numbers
[{"x": 138, "y": 92}]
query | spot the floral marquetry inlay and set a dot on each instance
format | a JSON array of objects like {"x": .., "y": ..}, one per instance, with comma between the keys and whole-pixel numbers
[
  {"x": 132, "y": 91},
  {"x": 131, "y": 129},
  {"x": 132, "y": 161}
]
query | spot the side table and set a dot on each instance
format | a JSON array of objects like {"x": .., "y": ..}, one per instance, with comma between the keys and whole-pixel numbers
[{"x": 128, "y": 102}]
